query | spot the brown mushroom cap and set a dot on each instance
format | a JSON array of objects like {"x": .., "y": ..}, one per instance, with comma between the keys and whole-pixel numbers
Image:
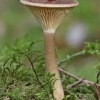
[{"x": 54, "y": 3}]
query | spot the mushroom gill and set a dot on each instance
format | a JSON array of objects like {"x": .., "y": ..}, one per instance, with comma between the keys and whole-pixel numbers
[{"x": 49, "y": 18}]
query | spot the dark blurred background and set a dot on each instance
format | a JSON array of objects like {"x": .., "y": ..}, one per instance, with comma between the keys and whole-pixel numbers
[{"x": 81, "y": 25}]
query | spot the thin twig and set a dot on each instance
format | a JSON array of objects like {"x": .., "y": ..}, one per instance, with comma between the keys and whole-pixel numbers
[
  {"x": 64, "y": 72},
  {"x": 72, "y": 56},
  {"x": 75, "y": 77},
  {"x": 74, "y": 84},
  {"x": 97, "y": 90}
]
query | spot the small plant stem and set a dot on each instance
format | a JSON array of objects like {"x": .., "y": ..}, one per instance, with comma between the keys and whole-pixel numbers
[
  {"x": 51, "y": 64},
  {"x": 75, "y": 77},
  {"x": 72, "y": 56},
  {"x": 34, "y": 69},
  {"x": 98, "y": 77}
]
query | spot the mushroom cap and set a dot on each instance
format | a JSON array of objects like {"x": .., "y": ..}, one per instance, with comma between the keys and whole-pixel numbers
[
  {"x": 52, "y": 3},
  {"x": 50, "y": 14}
]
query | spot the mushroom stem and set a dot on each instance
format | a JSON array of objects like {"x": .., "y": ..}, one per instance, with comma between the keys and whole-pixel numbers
[{"x": 51, "y": 64}]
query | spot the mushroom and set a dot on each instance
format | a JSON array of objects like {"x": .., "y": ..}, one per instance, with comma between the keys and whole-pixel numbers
[{"x": 50, "y": 13}]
